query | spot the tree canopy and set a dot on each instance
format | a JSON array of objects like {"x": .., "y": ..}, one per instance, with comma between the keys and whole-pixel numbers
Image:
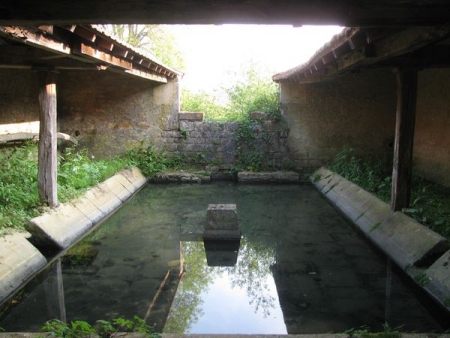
[{"x": 154, "y": 39}]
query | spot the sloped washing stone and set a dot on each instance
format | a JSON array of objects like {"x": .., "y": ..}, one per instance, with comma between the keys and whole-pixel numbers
[
  {"x": 89, "y": 209},
  {"x": 439, "y": 279},
  {"x": 103, "y": 198},
  {"x": 115, "y": 185},
  {"x": 64, "y": 225},
  {"x": 59, "y": 227},
  {"x": 361, "y": 207},
  {"x": 408, "y": 242},
  {"x": 135, "y": 177},
  {"x": 19, "y": 261},
  {"x": 279, "y": 177}
]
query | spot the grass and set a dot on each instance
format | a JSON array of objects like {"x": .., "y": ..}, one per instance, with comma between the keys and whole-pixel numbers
[
  {"x": 19, "y": 198},
  {"x": 77, "y": 171},
  {"x": 430, "y": 202}
]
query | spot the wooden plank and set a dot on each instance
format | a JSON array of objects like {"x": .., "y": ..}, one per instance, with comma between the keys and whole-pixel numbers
[
  {"x": 34, "y": 38},
  {"x": 47, "y": 156},
  {"x": 404, "y": 137},
  {"x": 146, "y": 75},
  {"x": 21, "y": 136},
  {"x": 82, "y": 48}
]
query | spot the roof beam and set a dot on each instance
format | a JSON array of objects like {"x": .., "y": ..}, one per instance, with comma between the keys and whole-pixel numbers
[
  {"x": 350, "y": 13},
  {"x": 34, "y": 38}
]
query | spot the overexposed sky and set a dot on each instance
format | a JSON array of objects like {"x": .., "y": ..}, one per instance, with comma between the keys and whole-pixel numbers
[{"x": 212, "y": 52}]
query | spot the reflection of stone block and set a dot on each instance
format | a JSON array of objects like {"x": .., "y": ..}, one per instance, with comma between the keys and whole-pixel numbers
[
  {"x": 221, "y": 253},
  {"x": 222, "y": 222}
]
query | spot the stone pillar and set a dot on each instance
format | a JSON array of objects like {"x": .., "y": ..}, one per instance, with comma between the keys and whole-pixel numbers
[
  {"x": 222, "y": 236},
  {"x": 222, "y": 223}
]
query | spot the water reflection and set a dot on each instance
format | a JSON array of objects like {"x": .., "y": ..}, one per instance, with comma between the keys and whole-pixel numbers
[
  {"x": 54, "y": 292},
  {"x": 243, "y": 296},
  {"x": 221, "y": 252},
  {"x": 299, "y": 261}
]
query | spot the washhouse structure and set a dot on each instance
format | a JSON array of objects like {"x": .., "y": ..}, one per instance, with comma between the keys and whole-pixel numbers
[
  {"x": 79, "y": 81},
  {"x": 379, "y": 87},
  {"x": 380, "y": 91}
]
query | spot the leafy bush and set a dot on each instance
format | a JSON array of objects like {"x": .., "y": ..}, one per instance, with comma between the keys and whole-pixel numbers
[
  {"x": 103, "y": 328},
  {"x": 204, "y": 103},
  {"x": 253, "y": 90},
  {"x": 18, "y": 186},
  {"x": 369, "y": 173}
]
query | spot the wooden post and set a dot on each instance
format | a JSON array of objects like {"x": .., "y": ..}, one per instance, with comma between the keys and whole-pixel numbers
[
  {"x": 404, "y": 137},
  {"x": 54, "y": 291},
  {"x": 47, "y": 156}
]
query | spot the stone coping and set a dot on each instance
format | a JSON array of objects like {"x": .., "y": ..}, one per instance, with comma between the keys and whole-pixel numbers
[
  {"x": 216, "y": 174},
  {"x": 277, "y": 177},
  {"x": 19, "y": 262},
  {"x": 423, "y": 254},
  {"x": 61, "y": 227}
]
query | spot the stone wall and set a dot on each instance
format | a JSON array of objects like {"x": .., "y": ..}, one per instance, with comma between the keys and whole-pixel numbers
[
  {"x": 107, "y": 112},
  {"x": 111, "y": 113},
  {"x": 19, "y": 92},
  {"x": 216, "y": 143},
  {"x": 432, "y": 137},
  {"x": 354, "y": 110},
  {"x": 358, "y": 111}
]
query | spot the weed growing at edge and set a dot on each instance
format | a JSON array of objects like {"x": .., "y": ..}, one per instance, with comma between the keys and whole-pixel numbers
[
  {"x": 430, "y": 202},
  {"x": 103, "y": 328}
]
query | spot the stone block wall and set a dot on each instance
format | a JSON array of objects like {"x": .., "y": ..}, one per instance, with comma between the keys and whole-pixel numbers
[
  {"x": 215, "y": 143},
  {"x": 106, "y": 112},
  {"x": 353, "y": 110},
  {"x": 358, "y": 110},
  {"x": 111, "y": 113}
]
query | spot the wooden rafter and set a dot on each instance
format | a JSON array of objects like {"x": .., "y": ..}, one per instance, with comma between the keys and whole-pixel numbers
[
  {"x": 79, "y": 43},
  {"x": 368, "y": 48}
]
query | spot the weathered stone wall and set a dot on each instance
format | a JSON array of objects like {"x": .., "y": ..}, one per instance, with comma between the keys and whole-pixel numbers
[
  {"x": 19, "y": 92},
  {"x": 216, "y": 143},
  {"x": 354, "y": 110},
  {"x": 432, "y": 136},
  {"x": 105, "y": 111},
  {"x": 358, "y": 110},
  {"x": 111, "y": 113}
]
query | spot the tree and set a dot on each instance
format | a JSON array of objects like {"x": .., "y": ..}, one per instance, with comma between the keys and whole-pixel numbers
[{"x": 155, "y": 39}]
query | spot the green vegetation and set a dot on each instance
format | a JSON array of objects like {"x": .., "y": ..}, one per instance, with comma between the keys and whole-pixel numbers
[
  {"x": 155, "y": 39},
  {"x": 248, "y": 156},
  {"x": 253, "y": 91},
  {"x": 103, "y": 328},
  {"x": 77, "y": 171},
  {"x": 19, "y": 198},
  {"x": 203, "y": 102},
  {"x": 365, "y": 332},
  {"x": 430, "y": 202}
]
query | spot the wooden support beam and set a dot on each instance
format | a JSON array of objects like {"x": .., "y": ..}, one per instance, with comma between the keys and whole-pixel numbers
[
  {"x": 404, "y": 137},
  {"x": 47, "y": 156}
]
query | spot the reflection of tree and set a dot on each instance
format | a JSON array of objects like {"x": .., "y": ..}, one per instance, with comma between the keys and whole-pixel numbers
[
  {"x": 186, "y": 307},
  {"x": 251, "y": 272}
]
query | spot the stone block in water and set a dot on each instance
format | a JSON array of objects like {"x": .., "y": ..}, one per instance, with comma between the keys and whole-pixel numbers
[
  {"x": 222, "y": 222},
  {"x": 222, "y": 217}
]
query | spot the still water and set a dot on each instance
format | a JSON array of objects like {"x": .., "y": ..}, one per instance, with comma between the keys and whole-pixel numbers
[{"x": 299, "y": 268}]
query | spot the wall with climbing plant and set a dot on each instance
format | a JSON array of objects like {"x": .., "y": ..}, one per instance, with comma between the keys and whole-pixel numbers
[{"x": 258, "y": 142}]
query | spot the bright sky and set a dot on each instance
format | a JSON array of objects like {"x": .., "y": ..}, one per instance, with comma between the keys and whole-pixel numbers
[{"x": 212, "y": 52}]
